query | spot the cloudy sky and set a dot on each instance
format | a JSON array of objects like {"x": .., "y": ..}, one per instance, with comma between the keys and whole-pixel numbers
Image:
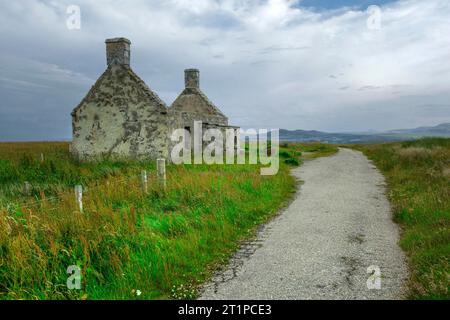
[{"x": 307, "y": 64}]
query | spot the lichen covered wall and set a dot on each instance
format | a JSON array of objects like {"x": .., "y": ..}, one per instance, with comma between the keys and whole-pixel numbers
[
  {"x": 120, "y": 118},
  {"x": 192, "y": 104}
]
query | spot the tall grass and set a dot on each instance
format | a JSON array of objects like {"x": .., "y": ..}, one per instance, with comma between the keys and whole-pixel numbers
[
  {"x": 418, "y": 176},
  {"x": 21, "y": 161},
  {"x": 163, "y": 243}
]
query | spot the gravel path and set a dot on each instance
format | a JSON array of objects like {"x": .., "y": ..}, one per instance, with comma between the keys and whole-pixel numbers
[{"x": 321, "y": 246}]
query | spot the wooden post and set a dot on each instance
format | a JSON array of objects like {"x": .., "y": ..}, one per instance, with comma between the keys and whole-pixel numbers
[
  {"x": 42, "y": 157},
  {"x": 79, "y": 197},
  {"x": 27, "y": 188},
  {"x": 144, "y": 182},
  {"x": 161, "y": 169}
]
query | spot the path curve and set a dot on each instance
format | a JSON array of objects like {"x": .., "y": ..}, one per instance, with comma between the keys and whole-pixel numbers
[{"x": 321, "y": 246}]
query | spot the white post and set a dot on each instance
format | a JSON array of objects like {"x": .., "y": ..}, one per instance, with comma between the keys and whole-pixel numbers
[
  {"x": 144, "y": 181},
  {"x": 42, "y": 157},
  {"x": 79, "y": 197},
  {"x": 161, "y": 169},
  {"x": 27, "y": 188}
]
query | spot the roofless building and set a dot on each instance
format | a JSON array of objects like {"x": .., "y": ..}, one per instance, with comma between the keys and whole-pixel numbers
[{"x": 122, "y": 117}]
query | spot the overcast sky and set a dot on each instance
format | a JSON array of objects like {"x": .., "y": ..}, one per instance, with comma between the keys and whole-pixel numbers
[{"x": 311, "y": 64}]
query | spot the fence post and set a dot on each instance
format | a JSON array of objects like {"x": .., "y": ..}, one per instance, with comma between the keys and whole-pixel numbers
[
  {"x": 161, "y": 169},
  {"x": 144, "y": 181},
  {"x": 79, "y": 197},
  {"x": 42, "y": 157},
  {"x": 27, "y": 188}
]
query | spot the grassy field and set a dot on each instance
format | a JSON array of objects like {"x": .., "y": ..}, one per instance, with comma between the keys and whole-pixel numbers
[
  {"x": 418, "y": 175},
  {"x": 128, "y": 244}
]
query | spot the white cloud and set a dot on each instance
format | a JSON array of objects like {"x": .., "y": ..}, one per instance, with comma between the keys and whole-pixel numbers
[{"x": 265, "y": 63}]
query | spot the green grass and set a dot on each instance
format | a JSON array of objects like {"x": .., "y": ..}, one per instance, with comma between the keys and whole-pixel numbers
[
  {"x": 308, "y": 150},
  {"x": 418, "y": 175},
  {"x": 20, "y": 162},
  {"x": 163, "y": 243}
]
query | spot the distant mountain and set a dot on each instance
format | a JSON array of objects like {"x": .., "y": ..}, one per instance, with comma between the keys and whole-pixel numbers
[{"x": 442, "y": 130}]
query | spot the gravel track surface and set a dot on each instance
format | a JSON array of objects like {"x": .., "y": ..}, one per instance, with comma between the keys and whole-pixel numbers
[{"x": 321, "y": 246}]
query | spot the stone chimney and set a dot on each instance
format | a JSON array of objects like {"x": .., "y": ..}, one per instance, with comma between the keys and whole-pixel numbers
[
  {"x": 192, "y": 78},
  {"x": 117, "y": 51}
]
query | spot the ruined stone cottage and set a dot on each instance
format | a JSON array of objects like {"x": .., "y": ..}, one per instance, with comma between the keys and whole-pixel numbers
[{"x": 122, "y": 117}]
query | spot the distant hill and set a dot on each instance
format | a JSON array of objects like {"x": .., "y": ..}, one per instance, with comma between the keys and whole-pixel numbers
[{"x": 442, "y": 130}]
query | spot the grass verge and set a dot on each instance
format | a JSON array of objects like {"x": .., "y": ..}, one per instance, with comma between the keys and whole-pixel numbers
[
  {"x": 128, "y": 244},
  {"x": 418, "y": 176}
]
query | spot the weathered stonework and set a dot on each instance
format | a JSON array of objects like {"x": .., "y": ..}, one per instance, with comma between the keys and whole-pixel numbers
[
  {"x": 118, "y": 51},
  {"x": 121, "y": 117},
  {"x": 192, "y": 78},
  {"x": 193, "y": 105}
]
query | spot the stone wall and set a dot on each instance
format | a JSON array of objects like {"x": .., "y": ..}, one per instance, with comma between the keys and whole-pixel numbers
[{"x": 120, "y": 118}]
